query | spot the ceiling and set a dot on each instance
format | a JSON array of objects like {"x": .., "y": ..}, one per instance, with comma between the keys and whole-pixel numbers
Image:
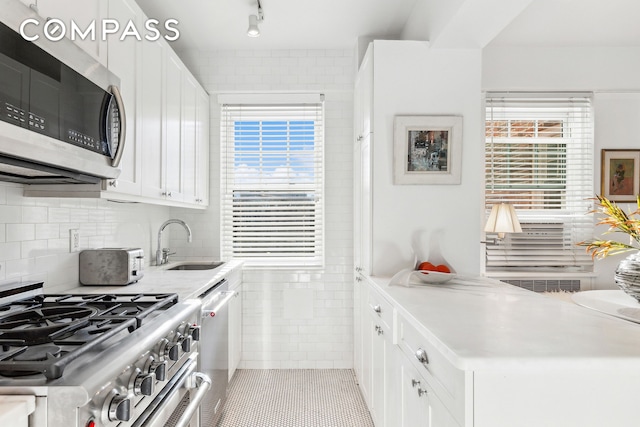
[{"x": 336, "y": 24}]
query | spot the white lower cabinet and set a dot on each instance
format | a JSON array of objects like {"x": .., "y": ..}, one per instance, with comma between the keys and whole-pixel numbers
[
  {"x": 418, "y": 404},
  {"x": 401, "y": 388}
]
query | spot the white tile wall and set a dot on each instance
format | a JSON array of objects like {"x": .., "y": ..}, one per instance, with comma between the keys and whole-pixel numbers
[
  {"x": 274, "y": 336},
  {"x": 34, "y": 234}
]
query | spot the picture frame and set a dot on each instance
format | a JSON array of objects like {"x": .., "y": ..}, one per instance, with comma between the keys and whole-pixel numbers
[
  {"x": 427, "y": 149},
  {"x": 620, "y": 174}
]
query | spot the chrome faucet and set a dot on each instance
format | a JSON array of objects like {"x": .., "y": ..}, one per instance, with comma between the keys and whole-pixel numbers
[{"x": 162, "y": 254}]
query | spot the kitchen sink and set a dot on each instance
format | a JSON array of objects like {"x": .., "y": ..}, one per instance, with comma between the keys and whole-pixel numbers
[{"x": 196, "y": 265}]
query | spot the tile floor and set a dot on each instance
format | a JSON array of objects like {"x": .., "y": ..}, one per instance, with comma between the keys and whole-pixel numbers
[{"x": 294, "y": 398}]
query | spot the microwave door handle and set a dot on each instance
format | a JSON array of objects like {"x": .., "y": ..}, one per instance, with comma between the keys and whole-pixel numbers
[{"x": 122, "y": 132}]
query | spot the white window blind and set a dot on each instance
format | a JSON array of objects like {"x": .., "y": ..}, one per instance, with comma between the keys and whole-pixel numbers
[
  {"x": 539, "y": 157},
  {"x": 272, "y": 183}
]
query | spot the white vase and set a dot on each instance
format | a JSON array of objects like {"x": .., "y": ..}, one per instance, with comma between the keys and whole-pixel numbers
[{"x": 627, "y": 275}]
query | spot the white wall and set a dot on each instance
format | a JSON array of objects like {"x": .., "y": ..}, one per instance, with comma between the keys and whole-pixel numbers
[
  {"x": 611, "y": 73},
  {"x": 411, "y": 78},
  {"x": 291, "y": 318},
  {"x": 34, "y": 234}
]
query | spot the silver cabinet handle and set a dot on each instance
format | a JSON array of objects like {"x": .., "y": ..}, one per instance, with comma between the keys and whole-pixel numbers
[
  {"x": 377, "y": 309},
  {"x": 421, "y": 355}
]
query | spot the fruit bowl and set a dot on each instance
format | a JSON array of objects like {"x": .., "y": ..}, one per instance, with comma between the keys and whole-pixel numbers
[{"x": 433, "y": 276}]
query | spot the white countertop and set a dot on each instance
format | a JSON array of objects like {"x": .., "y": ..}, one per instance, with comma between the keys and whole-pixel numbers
[
  {"x": 186, "y": 283},
  {"x": 480, "y": 323}
]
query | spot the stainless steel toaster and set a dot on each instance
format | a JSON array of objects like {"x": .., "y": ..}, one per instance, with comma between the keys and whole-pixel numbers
[{"x": 111, "y": 266}]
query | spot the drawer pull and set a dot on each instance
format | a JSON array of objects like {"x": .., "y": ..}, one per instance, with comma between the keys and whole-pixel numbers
[
  {"x": 421, "y": 355},
  {"x": 414, "y": 383},
  {"x": 377, "y": 309},
  {"x": 421, "y": 392}
]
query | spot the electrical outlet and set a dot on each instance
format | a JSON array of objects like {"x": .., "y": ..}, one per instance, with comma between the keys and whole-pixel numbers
[{"x": 74, "y": 240}]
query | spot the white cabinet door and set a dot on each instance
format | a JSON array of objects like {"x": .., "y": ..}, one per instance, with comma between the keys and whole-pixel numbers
[
  {"x": 188, "y": 163},
  {"x": 150, "y": 118},
  {"x": 362, "y": 205},
  {"x": 419, "y": 405},
  {"x": 84, "y": 14},
  {"x": 379, "y": 348},
  {"x": 358, "y": 290},
  {"x": 363, "y": 96},
  {"x": 235, "y": 331},
  {"x": 202, "y": 147},
  {"x": 173, "y": 185},
  {"x": 124, "y": 62}
]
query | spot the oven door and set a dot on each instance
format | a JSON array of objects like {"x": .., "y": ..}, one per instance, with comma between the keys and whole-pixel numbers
[{"x": 178, "y": 403}]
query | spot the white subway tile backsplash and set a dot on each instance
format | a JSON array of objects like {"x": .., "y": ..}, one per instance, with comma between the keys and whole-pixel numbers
[
  {"x": 20, "y": 232},
  {"x": 34, "y": 233}
]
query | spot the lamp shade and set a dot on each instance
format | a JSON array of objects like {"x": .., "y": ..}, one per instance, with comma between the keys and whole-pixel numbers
[{"x": 503, "y": 219}]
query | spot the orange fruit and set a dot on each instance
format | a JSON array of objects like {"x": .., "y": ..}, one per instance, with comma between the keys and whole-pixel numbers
[
  {"x": 443, "y": 268},
  {"x": 426, "y": 266}
]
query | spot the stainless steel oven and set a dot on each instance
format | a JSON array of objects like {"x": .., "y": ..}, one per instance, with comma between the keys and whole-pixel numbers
[{"x": 113, "y": 360}]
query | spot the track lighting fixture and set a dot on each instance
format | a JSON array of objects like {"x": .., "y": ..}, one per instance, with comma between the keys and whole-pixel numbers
[{"x": 253, "y": 30}]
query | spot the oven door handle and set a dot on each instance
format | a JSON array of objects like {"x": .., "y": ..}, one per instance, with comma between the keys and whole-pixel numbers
[
  {"x": 210, "y": 311},
  {"x": 184, "y": 376},
  {"x": 203, "y": 384}
]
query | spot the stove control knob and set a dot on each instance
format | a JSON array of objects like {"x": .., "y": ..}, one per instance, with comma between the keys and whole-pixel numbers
[
  {"x": 173, "y": 351},
  {"x": 194, "y": 331},
  {"x": 120, "y": 408},
  {"x": 162, "y": 349},
  {"x": 160, "y": 369},
  {"x": 186, "y": 344},
  {"x": 144, "y": 384}
]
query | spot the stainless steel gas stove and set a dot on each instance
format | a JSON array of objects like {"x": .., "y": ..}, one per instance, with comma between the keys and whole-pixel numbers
[{"x": 101, "y": 360}]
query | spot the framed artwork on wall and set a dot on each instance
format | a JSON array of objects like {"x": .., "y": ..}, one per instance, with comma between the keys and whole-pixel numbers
[
  {"x": 620, "y": 175},
  {"x": 427, "y": 149}
]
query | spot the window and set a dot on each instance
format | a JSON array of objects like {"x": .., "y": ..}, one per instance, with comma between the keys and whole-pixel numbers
[
  {"x": 539, "y": 157},
  {"x": 272, "y": 183}
]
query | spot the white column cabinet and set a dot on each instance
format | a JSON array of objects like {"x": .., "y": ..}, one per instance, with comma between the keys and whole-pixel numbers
[{"x": 235, "y": 321}]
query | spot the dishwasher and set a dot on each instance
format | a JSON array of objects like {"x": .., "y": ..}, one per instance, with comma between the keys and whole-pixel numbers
[{"x": 214, "y": 349}]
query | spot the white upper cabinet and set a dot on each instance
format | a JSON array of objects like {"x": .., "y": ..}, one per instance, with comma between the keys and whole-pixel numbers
[
  {"x": 85, "y": 14},
  {"x": 166, "y": 157}
]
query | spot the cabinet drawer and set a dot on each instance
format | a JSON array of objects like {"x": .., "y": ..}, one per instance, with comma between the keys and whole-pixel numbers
[
  {"x": 447, "y": 381},
  {"x": 380, "y": 307}
]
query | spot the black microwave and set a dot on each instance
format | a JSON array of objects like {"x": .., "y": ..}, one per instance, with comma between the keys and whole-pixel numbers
[{"x": 43, "y": 95}]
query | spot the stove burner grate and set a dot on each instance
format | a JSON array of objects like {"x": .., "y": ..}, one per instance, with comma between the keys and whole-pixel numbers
[{"x": 48, "y": 332}]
